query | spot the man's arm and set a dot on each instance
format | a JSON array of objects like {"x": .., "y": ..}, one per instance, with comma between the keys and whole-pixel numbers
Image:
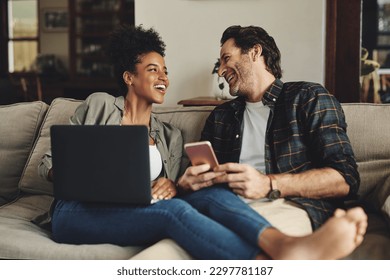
[{"x": 316, "y": 183}]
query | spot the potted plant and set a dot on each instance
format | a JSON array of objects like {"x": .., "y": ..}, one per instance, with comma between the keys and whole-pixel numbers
[{"x": 220, "y": 94}]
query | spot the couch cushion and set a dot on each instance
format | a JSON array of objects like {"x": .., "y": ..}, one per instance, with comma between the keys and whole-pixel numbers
[
  {"x": 379, "y": 199},
  {"x": 58, "y": 113},
  {"x": 190, "y": 120},
  {"x": 19, "y": 126},
  {"x": 368, "y": 127},
  {"x": 376, "y": 243},
  {"x": 368, "y": 130},
  {"x": 165, "y": 249},
  {"x": 21, "y": 239}
]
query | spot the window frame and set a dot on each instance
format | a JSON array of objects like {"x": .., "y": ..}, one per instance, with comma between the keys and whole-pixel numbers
[{"x": 5, "y": 38}]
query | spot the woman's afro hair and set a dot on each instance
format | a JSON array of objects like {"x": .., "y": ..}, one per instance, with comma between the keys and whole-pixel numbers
[{"x": 128, "y": 44}]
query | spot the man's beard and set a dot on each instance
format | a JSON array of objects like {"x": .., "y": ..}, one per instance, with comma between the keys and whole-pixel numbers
[
  {"x": 234, "y": 91},
  {"x": 238, "y": 88}
]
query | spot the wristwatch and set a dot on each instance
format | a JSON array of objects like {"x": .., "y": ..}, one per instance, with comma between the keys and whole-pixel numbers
[{"x": 274, "y": 193}]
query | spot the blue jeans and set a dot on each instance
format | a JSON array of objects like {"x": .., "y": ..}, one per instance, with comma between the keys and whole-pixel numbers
[
  {"x": 223, "y": 228},
  {"x": 226, "y": 208}
]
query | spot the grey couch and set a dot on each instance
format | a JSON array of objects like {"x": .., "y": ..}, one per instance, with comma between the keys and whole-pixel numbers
[{"x": 25, "y": 197}]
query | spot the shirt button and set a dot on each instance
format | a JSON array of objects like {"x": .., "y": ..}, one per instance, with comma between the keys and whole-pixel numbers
[
  {"x": 165, "y": 161},
  {"x": 237, "y": 136},
  {"x": 273, "y": 99}
]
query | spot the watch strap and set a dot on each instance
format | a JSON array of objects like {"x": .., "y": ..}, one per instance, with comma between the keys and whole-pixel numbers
[
  {"x": 274, "y": 193},
  {"x": 274, "y": 183}
]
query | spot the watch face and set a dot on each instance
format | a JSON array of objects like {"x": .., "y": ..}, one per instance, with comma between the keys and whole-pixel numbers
[{"x": 274, "y": 194}]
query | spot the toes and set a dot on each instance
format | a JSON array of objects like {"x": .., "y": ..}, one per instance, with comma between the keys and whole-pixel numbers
[
  {"x": 339, "y": 213},
  {"x": 359, "y": 239},
  {"x": 362, "y": 227},
  {"x": 357, "y": 214}
]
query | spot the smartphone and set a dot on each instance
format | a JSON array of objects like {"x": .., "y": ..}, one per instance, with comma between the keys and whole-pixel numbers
[{"x": 201, "y": 153}]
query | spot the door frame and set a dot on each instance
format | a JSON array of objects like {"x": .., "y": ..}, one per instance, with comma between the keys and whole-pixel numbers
[{"x": 343, "y": 49}]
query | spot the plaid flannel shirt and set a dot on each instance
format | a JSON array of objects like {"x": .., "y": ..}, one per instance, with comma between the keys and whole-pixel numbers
[{"x": 306, "y": 129}]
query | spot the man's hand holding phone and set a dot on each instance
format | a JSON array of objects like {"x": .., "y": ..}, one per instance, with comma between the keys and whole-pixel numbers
[
  {"x": 205, "y": 171},
  {"x": 201, "y": 153},
  {"x": 200, "y": 174}
]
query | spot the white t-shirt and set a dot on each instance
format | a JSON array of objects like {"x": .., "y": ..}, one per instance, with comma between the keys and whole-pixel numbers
[
  {"x": 253, "y": 139},
  {"x": 155, "y": 162}
]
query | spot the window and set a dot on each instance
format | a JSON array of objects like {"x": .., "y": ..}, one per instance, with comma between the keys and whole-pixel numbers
[
  {"x": 22, "y": 34},
  {"x": 383, "y": 31}
]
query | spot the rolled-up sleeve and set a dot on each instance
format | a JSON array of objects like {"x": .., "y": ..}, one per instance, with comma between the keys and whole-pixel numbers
[
  {"x": 328, "y": 137},
  {"x": 45, "y": 165}
]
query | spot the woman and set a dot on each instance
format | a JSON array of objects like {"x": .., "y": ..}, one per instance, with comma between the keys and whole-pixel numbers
[{"x": 227, "y": 229}]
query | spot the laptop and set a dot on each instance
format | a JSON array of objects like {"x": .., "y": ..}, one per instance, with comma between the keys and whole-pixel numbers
[{"x": 94, "y": 163}]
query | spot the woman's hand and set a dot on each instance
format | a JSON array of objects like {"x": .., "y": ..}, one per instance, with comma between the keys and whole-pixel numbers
[
  {"x": 163, "y": 188},
  {"x": 197, "y": 177}
]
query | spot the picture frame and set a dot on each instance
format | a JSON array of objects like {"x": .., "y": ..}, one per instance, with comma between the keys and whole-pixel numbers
[{"x": 55, "y": 19}]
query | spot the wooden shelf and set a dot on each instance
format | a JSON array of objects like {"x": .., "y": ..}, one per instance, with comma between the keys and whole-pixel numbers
[
  {"x": 202, "y": 101},
  {"x": 91, "y": 22}
]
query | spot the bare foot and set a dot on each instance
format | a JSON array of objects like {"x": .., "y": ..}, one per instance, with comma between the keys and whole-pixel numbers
[{"x": 337, "y": 238}]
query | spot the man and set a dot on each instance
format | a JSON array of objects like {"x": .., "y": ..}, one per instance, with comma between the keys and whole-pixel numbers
[{"x": 283, "y": 141}]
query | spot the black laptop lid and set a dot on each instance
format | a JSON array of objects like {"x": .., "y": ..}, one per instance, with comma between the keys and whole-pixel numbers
[{"x": 101, "y": 163}]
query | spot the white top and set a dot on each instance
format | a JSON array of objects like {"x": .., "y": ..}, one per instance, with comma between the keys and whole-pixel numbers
[
  {"x": 253, "y": 139},
  {"x": 155, "y": 162}
]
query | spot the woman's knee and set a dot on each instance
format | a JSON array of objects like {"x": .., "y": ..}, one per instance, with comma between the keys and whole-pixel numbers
[{"x": 175, "y": 206}]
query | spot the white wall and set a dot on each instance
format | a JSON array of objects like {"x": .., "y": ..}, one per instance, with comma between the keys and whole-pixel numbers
[{"x": 192, "y": 29}]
